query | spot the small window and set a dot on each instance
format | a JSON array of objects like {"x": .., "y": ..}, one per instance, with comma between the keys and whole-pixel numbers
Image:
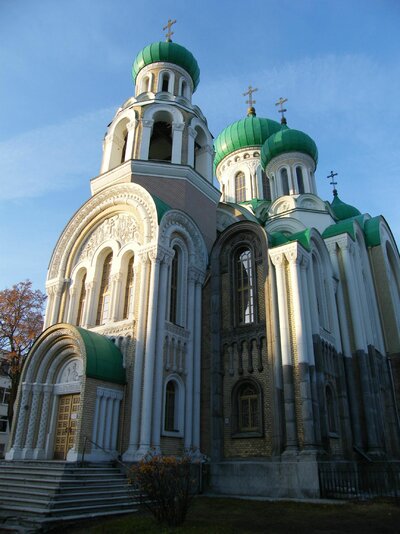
[
  {"x": 244, "y": 281},
  {"x": 331, "y": 410},
  {"x": 300, "y": 180},
  {"x": 285, "y": 182},
  {"x": 266, "y": 186},
  {"x": 247, "y": 409},
  {"x": 3, "y": 423},
  {"x": 171, "y": 423},
  {"x": 240, "y": 187},
  {"x": 82, "y": 301},
  {"x": 103, "y": 308},
  {"x": 183, "y": 88},
  {"x": 4, "y": 395},
  {"x": 128, "y": 303}
]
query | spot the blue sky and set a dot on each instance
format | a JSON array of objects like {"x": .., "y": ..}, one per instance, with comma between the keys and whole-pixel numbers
[{"x": 66, "y": 68}]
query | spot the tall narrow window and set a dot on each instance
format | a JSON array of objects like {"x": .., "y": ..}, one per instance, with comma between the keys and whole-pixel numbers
[
  {"x": 244, "y": 286},
  {"x": 248, "y": 409},
  {"x": 170, "y": 422},
  {"x": 165, "y": 82},
  {"x": 240, "y": 187},
  {"x": 103, "y": 308},
  {"x": 183, "y": 88},
  {"x": 285, "y": 182},
  {"x": 266, "y": 186},
  {"x": 123, "y": 153},
  {"x": 161, "y": 141},
  {"x": 331, "y": 410},
  {"x": 300, "y": 180},
  {"x": 128, "y": 303},
  {"x": 173, "y": 306},
  {"x": 82, "y": 300}
]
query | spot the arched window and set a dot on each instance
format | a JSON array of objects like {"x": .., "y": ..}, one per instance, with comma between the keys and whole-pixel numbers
[
  {"x": 161, "y": 141},
  {"x": 183, "y": 88},
  {"x": 285, "y": 182},
  {"x": 103, "y": 308},
  {"x": 247, "y": 409},
  {"x": 300, "y": 180},
  {"x": 123, "y": 152},
  {"x": 165, "y": 82},
  {"x": 128, "y": 303},
  {"x": 173, "y": 303},
  {"x": 240, "y": 187},
  {"x": 146, "y": 84},
  {"x": 331, "y": 410},
  {"x": 82, "y": 300},
  {"x": 266, "y": 186},
  {"x": 171, "y": 407},
  {"x": 244, "y": 286}
]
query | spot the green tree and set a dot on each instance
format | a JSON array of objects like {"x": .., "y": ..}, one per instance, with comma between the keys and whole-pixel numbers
[{"x": 21, "y": 321}]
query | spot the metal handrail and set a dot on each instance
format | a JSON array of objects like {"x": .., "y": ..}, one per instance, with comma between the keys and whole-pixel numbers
[{"x": 125, "y": 466}]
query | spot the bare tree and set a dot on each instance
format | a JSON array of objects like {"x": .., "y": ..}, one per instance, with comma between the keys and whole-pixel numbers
[{"x": 21, "y": 321}]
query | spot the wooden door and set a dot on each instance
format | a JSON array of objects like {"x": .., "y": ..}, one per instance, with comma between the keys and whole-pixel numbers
[{"x": 68, "y": 407}]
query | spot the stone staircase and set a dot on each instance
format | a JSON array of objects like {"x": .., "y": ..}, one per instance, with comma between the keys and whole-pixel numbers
[{"x": 36, "y": 494}]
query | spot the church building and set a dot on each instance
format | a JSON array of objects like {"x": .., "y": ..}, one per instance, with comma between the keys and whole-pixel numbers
[{"x": 252, "y": 323}]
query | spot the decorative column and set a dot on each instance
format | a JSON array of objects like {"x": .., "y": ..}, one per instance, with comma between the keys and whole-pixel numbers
[
  {"x": 278, "y": 259},
  {"x": 161, "y": 344},
  {"x": 88, "y": 313},
  {"x": 130, "y": 141},
  {"x": 33, "y": 414},
  {"x": 177, "y": 135},
  {"x": 107, "y": 147},
  {"x": 189, "y": 361},
  {"x": 197, "y": 364},
  {"x": 192, "y": 134},
  {"x": 71, "y": 306},
  {"x": 39, "y": 452},
  {"x": 149, "y": 363},
  {"x": 209, "y": 157},
  {"x": 116, "y": 293},
  {"x": 54, "y": 292},
  {"x": 129, "y": 454},
  {"x": 296, "y": 258},
  {"x": 147, "y": 128},
  {"x": 347, "y": 249}
]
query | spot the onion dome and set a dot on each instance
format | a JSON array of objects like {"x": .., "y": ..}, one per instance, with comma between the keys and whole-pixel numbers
[
  {"x": 251, "y": 131},
  {"x": 167, "y": 51},
  {"x": 342, "y": 210},
  {"x": 288, "y": 140}
]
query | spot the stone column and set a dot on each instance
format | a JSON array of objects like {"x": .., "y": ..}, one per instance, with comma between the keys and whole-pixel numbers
[
  {"x": 39, "y": 452},
  {"x": 116, "y": 296},
  {"x": 278, "y": 259},
  {"x": 147, "y": 128},
  {"x": 90, "y": 305},
  {"x": 197, "y": 365},
  {"x": 192, "y": 134},
  {"x": 72, "y": 304},
  {"x": 107, "y": 147},
  {"x": 361, "y": 348},
  {"x": 33, "y": 415},
  {"x": 16, "y": 451},
  {"x": 130, "y": 142},
  {"x": 129, "y": 455},
  {"x": 177, "y": 135},
  {"x": 295, "y": 259},
  {"x": 189, "y": 362},
  {"x": 149, "y": 363},
  {"x": 159, "y": 364}
]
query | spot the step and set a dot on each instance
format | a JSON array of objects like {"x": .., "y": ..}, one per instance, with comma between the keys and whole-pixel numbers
[{"x": 24, "y": 511}]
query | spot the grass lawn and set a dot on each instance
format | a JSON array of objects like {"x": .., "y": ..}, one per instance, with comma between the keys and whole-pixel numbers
[{"x": 220, "y": 515}]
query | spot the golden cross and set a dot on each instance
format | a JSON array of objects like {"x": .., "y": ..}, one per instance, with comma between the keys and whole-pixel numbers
[
  {"x": 168, "y": 27},
  {"x": 250, "y": 92},
  {"x": 280, "y": 102}
]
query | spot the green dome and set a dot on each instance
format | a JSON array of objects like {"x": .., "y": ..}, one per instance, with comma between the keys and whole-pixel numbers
[
  {"x": 342, "y": 210},
  {"x": 171, "y": 53},
  {"x": 251, "y": 131},
  {"x": 288, "y": 140}
]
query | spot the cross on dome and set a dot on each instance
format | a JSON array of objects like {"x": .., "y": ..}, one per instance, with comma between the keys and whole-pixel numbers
[
  {"x": 168, "y": 27},
  {"x": 250, "y": 101},
  {"x": 280, "y": 102},
  {"x": 333, "y": 183}
]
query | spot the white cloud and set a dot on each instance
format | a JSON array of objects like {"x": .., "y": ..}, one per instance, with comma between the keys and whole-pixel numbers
[{"x": 52, "y": 157}]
